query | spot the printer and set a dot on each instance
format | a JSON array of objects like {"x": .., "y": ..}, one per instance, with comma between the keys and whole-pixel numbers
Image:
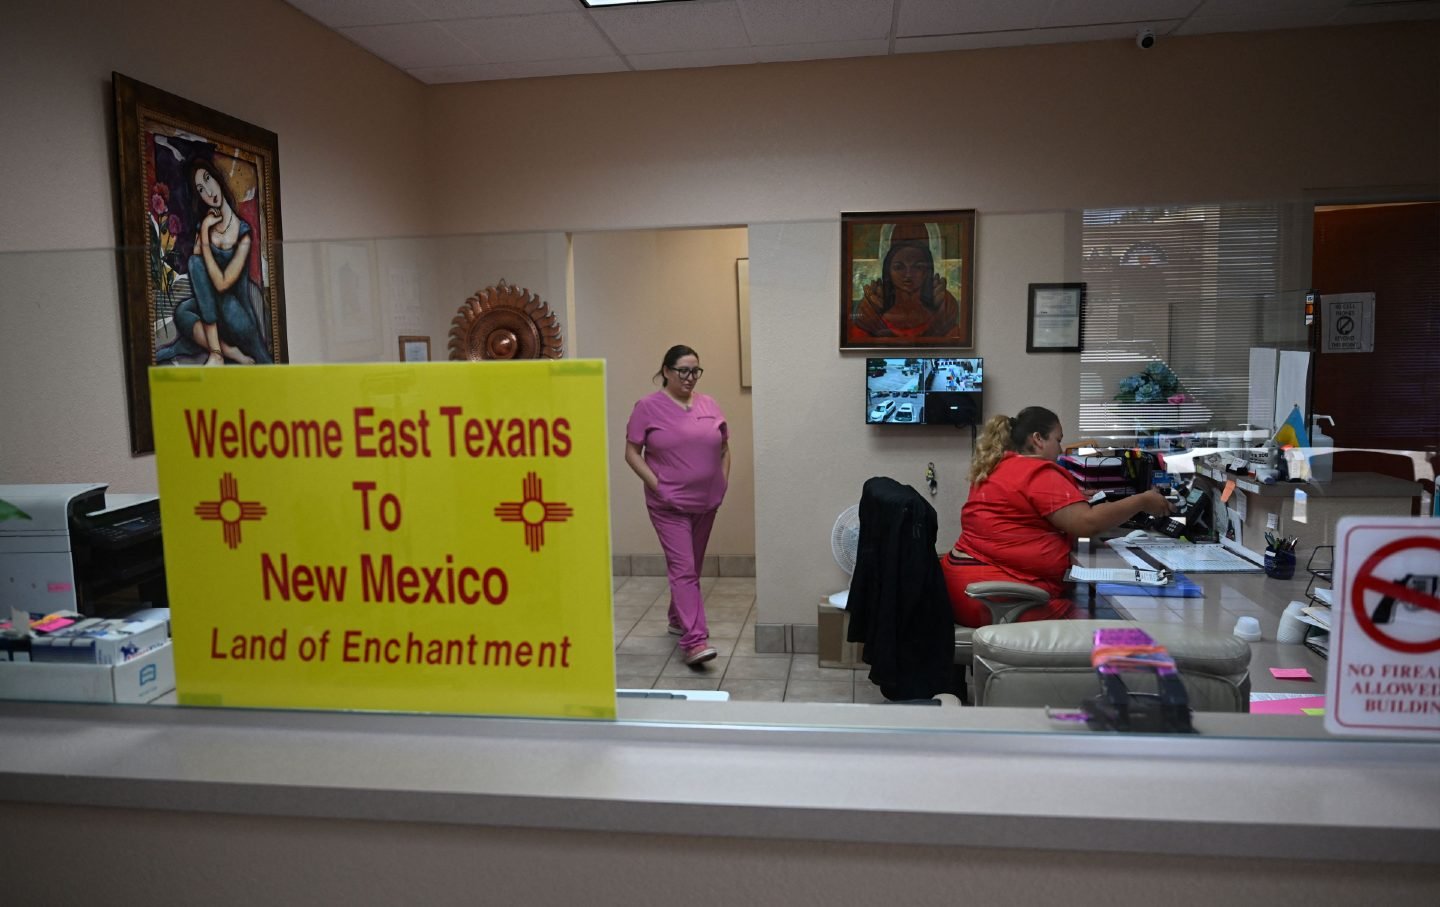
[{"x": 73, "y": 547}]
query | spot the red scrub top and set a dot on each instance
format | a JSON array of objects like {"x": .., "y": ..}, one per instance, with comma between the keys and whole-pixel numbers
[{"x": 1004, "y": 521}]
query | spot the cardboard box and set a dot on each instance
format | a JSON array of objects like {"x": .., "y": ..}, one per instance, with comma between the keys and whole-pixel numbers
[
  {"x": 835, "y": 652},
  {"x": 144, "y": 678},
  {"x": 104, "y": 642}
]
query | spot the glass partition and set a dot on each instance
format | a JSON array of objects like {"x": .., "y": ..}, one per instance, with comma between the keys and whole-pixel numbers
[{"x": 1178, "y": 298}]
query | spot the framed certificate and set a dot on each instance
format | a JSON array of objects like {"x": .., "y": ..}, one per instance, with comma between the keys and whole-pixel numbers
[
  {"x": 1056, "y": 317},
  {"x": 414, "y": 349}
]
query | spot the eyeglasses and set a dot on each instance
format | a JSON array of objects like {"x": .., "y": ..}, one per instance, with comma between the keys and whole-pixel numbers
[{"x": 688, "y": 372}]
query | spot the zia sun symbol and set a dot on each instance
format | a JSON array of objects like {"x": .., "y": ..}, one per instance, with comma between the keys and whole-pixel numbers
[
  {"x": 230, "y": 510},
  {"x": 534, "y": 511}
]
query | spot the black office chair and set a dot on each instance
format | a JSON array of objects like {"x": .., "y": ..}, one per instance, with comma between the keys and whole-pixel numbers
[{"x": 899, "y": 608}]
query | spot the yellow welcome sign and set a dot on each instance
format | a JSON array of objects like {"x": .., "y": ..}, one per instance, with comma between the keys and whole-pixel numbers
[{"x": 400, "y": 537}]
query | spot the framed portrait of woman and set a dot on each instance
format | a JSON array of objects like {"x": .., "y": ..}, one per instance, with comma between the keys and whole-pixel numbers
[
  {"x": 199, "y": 203},
  {"x": 907, "y": 280}
]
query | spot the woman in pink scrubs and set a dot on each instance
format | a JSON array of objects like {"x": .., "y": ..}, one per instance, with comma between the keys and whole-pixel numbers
[{"x": 678, "y": 444}]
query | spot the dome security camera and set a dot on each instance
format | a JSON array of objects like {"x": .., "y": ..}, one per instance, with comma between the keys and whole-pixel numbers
[{"x": 1145, "y": 38}]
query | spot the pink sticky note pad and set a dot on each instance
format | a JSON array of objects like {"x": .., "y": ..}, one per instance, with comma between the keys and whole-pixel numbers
[
  {"x": 1291, "y": 674},
  {"x": 1287, "y": 706},
  {"x": 55, "y": 623}
]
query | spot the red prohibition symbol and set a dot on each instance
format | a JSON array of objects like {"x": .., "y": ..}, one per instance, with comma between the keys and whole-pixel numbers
[{"x": 1367, "y": 581}]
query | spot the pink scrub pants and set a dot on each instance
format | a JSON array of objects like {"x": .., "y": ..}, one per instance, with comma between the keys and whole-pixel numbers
[{"x": 683, "y": 537}]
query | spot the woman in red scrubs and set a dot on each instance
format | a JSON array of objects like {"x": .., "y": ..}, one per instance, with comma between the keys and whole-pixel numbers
[{"x": 1024, "y": 514}]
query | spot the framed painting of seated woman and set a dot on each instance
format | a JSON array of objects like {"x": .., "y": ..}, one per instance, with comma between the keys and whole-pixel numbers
[
  {"x": 907, "y": 280},
  {"x": 199, "y": 203}
]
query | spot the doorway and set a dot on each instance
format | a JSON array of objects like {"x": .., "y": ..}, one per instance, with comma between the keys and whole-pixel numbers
[{"x": 1385, "y": 397}]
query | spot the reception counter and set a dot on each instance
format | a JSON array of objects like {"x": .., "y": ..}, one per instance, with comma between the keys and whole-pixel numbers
[{"x": 1247, "y": 787}]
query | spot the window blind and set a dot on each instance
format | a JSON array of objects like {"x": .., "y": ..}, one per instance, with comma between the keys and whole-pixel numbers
[{"x": 1183, "y": 288}]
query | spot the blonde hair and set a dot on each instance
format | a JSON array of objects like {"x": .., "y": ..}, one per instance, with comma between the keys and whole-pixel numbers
[
  {"x": 990, "y": 449},
  {"x": 1006, "y": 433}
]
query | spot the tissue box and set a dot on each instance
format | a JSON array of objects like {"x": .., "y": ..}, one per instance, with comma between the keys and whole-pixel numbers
[{"x": 144, "y": 678}]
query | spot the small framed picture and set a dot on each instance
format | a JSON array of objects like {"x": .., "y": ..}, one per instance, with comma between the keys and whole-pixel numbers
[
  {"x": 414, "y": 349},
  {"x": 1056, "y": 318}
]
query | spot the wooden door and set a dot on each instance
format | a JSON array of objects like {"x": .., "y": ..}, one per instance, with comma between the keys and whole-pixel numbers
[{"x": 1389, "y": 398}]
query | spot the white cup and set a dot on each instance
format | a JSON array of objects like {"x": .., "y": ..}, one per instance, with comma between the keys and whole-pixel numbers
[
  {"x": 1248, "y": 629},
  {"x": 1291, "y": 630}
]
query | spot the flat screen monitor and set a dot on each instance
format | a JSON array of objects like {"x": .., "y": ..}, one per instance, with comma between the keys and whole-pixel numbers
[{"x": 924, "y": 391}]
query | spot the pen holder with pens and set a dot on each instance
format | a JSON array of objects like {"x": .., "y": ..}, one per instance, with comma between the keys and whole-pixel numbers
[{"x": 1279, "y": 564}]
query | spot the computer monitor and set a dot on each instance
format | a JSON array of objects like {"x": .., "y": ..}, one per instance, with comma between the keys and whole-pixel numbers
[{"x": 928, "y": 390}]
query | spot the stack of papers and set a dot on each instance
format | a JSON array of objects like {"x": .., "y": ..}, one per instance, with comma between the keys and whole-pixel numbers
[
  {"x": 1316, "y": 616},
  {"x": 1138, "y": 575}
]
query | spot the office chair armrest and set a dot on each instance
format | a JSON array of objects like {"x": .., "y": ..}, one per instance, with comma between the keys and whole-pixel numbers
[{"x": 1007, "y": 601}]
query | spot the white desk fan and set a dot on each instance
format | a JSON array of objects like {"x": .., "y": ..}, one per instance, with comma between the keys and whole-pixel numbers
[{"x": 844, "y": 544}]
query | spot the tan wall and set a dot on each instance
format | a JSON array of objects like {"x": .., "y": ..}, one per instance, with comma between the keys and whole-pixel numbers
[
  {"x": 1215, "y": 117},
  {"x": 350, "y": 166},
  {"x": 636, "y": 295},
  {"x": 786, "y": 148}
]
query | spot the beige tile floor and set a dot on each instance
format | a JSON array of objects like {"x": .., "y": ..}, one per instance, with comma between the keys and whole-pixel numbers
[{"x": 646, "y": 655}]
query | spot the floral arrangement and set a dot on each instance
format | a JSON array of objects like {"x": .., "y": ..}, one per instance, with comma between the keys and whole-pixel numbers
[
  {"x": 165, "y": 226},
  {"x": 1155, "y": 384}
]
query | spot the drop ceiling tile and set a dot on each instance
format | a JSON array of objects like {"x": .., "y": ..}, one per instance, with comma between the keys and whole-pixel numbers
[
  {"x": 484, "y": 72},
  {"x": 1109, "y": 32},
  {"x": 416, "y": 44},
  {"x": 1271, "y": 7},
  {"x": 1064, "y": 13},
  {"x": 725, "y": 56},
  {"x": 1254, "y": 21},
  {"x": 815, "y": 21},
  {"x": 1397, "y": 12},
  {"x": 669, "y": 27},
  {"x": 832, "y": 50},
  {"x": 549, "y": 36},
  {"x": 947, "y": 17},
  {"x": 345, "y": 13},
  {"x": 484, "y": 9}
]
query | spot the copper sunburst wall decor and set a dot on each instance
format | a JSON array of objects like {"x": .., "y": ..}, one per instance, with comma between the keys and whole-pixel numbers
[{"x": 504, "y": 322}]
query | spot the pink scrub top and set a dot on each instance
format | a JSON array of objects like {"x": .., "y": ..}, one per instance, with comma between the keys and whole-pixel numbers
[{"x": 682, "y": 447}]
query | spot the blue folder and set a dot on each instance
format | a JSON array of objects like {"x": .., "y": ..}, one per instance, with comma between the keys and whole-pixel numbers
[{"x": 1181, "y": 586}]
